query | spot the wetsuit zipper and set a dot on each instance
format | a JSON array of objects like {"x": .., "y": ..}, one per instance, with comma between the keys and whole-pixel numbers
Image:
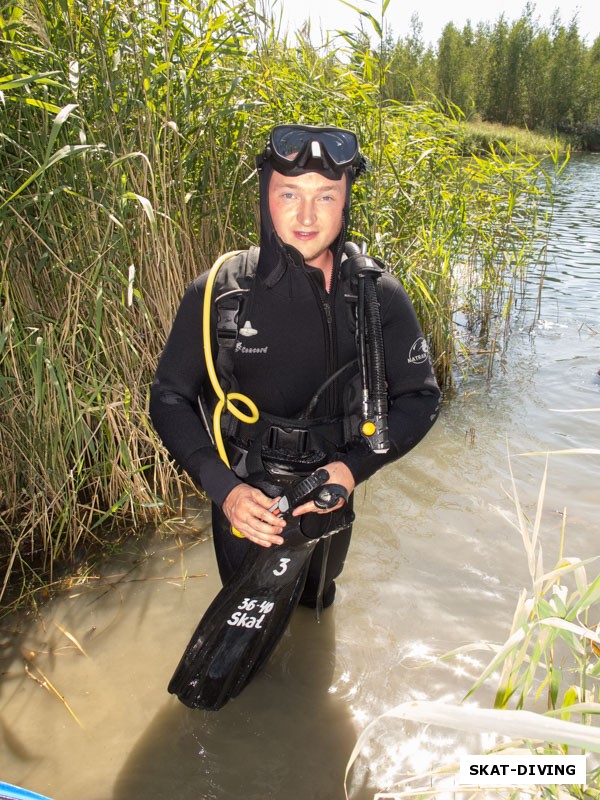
[
  {"x": 332, "y": 360},
  {"x": 328, "y": 316}
]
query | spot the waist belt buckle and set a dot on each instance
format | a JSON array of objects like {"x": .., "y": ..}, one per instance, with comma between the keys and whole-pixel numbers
[{"x": 288, "y": 439}]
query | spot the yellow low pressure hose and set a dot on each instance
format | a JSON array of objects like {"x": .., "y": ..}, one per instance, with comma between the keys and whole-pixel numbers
[{"x": 225, "y": 401}]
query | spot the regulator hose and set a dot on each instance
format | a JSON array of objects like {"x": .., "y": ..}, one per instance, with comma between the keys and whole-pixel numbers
[{"x": 225, "y": 401}]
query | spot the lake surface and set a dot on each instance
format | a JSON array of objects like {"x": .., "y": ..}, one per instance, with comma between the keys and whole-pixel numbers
[{"x": 436, "y": 563}]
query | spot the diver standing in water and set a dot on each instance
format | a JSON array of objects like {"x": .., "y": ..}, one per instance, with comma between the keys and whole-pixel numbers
[{"x": 324, "y": 347}]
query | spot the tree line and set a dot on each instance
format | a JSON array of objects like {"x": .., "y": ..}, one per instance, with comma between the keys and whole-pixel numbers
[{"x": 513, "y": 73}]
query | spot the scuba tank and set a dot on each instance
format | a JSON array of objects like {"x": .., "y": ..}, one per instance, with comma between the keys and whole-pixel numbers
[{"x": 363, "y": 272}]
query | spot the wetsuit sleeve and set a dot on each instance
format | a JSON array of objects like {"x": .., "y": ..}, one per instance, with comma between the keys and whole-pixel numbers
[
  {"x": 177, "y": 385},
  {"x": 414, "y": 395}
]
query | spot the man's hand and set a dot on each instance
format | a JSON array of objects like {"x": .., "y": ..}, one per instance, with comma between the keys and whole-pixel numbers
[
  {"x": 247, "y": 509},
  {"x": 338, "y": 473}
]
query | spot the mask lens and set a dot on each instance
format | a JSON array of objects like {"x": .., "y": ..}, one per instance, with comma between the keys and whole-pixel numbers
[
  {"x": 289, "y": 142},
  {"x": 341, "y": 146}
]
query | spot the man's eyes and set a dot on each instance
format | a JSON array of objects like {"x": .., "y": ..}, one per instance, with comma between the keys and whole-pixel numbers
[{"x": 329, "y": 198}]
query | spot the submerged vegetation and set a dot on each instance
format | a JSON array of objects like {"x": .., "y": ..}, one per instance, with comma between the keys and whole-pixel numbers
[{"x": 127, "y": 155}]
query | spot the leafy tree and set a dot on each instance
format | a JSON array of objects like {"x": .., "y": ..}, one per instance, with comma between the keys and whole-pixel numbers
[
  {"x": 412, "y": 69},
  {"x": 518, "y": 67},
  {"x": 589, "y": 129},
  {"x": 566, "y": 78},
  {"x": 454, "y": 72},
  {"x": 537, "y": 81},
  {"x": 496, "y": 100}
]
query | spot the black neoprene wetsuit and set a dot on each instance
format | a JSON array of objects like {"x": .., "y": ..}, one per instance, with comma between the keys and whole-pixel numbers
[{"x": 301, "y": 334}]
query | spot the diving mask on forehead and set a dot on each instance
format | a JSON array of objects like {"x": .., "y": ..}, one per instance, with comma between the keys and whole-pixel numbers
[{"x": 296, "y": 149}]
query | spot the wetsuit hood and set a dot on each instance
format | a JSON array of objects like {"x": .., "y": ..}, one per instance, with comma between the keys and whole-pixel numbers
[{"x": 275, "y": 256}]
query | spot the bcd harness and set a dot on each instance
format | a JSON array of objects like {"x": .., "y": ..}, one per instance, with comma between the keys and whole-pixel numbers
[{"x": 256, "y": 443}]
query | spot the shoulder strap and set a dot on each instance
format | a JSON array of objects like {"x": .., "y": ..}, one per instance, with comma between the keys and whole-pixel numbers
[
  {"x": 237, "y": 273},
  {"x": 233, "y": 285}
]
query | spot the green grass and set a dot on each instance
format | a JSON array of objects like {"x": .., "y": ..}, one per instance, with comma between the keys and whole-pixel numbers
[{"x": 486, "y": 136}]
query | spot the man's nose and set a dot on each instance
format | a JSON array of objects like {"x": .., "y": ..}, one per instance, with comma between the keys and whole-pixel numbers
[{"x": 307, "y": 212}]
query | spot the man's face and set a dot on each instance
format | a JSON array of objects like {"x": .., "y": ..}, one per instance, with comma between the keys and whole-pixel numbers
[{"x": 307, "y": 212}]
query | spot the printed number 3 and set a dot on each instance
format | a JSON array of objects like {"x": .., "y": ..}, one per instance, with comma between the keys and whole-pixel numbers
[{"x": 283, "y": 562}]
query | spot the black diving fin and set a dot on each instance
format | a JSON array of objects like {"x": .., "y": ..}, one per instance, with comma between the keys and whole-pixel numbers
[{"x": 247, "y": 618}]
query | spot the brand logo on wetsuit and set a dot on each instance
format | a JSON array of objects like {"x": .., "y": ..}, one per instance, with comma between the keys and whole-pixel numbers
[
  {"x": 247, "y": 329},
  {"x": 240, "y": 348},
  {"x": 419, "y": 352}
]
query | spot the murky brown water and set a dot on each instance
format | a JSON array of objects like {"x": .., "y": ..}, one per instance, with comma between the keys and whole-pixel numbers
[{"x": 435, "y": 564}]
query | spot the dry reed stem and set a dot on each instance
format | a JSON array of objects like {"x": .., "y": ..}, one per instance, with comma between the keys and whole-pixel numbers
[{"x": 45, "y": 683}]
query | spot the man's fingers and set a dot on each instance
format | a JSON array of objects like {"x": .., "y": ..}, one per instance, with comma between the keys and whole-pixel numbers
[
  {"x": 311, "y": 508},
  {"x": 247, "y": 509},
  {"x": 256, "y": 522}
]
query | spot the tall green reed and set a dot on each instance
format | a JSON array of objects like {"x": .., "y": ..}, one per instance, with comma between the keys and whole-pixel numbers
[{"x": 127, "y": 155}]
